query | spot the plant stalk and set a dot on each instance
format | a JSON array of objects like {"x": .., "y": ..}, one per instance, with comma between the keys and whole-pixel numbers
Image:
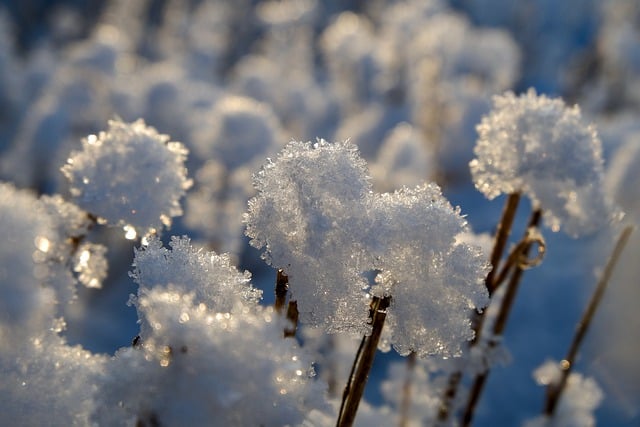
[
  {"x": 501, "y": 320},
  {"x": 405, "y": 404},
  {"x": 554, "y": 391},
  {"x": 353, "y": 395},
  {"x": 499, "y": 243}
]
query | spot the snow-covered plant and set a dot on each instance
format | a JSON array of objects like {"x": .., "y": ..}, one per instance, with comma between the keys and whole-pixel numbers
[
  {"x": 318, "y": 219},
  {"x": 198, "y": 366},
  {"x": 580, "y": 399},
  {"x": 540, "y": 147},
  {"x": 188, "y": 269},
  {"x": 433, "y": 279},
  {"x": 309, "y": 215},
  {"x": 129, "y": 176},
  {"x": 404, "y": 159}
]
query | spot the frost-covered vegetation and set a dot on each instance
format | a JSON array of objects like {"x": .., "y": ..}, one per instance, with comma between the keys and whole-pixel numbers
[{"x": 235, "y": 212}]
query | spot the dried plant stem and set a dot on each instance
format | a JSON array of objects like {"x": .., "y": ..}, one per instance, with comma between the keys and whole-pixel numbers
[
  {"x": 281, "y": 291},
  {"x": 502, "y": 235},
  {"x": 503, "y": 315},
  {"x": 360, "y": 374},
  {"x": 554, "y": 391},
  {"x": 405, "y": 404},
  {"x": 499, "y": 243},
  {"x": 282, "y": 287},
  {"x": 292, "y": 316}
]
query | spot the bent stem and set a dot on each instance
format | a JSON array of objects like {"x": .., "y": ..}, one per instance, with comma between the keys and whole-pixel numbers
[
  {"x": 554, "y": 391},
  {"x": 364, "y": 361},
  {"x": 500, "y": 241},
  {"x": 503, "y": 314}
]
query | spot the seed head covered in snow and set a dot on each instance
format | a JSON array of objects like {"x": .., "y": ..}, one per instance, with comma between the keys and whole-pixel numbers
[
  {"x": 199, "y": 367},
  {"x": 209, "y": 276},
  {"x": 433, "y": 278},
  {"x": 308, "y": 215},
  {"x": 318, "y": 220},
  {"x": 580, "y": 399},
  {"x": 239, "y": 130},
  {"x": 130, "y": 176},
  {"x": 541, "y": 147}
]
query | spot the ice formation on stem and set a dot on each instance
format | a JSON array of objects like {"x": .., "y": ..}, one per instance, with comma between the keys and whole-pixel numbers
[
  {"x": 434, "y": 278},
  {"x": 130, "y": 176},
  {"x": 318, "y": 219},
  {"x": 542, "y": 148},
  {"x": 309, "y": 215}
]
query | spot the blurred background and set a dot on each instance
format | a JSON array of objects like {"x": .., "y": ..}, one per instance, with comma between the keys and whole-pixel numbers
[{"x": 407, "y": 81}]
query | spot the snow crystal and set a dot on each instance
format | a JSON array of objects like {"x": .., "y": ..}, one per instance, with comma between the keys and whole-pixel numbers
[
  {"x": 308, "y": 216},
  {"x": 318, "y": 219},
  {"x": 434, "y": 279},
  {"x": 211, "y": 277},
  {"x": 197, "y": 365},
  {"x": 47, "y": 382},
  {"x": 542, "y": 148},
  {"x": 130, "y": 176}
]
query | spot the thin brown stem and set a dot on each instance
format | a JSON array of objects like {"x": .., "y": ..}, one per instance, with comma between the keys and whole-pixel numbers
[
  {"x": 405, "y": 404},
  {"x": 352, "y": 398},
  {"x": 500, "y": 241},
  {"x": 292, "y": 316},
  {"x": 502, "y": 235},
  {"x": 281, "y": 289},
  {"x": 501, "y": 320},
  {"x": 554, "y": 391}
]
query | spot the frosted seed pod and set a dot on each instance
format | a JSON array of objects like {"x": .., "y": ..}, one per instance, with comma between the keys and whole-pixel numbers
[
  {"x": 542, "y": 148},
  {"x": 130, "y": 176}
]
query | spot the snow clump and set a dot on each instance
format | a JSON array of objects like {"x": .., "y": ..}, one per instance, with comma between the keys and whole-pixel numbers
[
  {"x": 129, "y": 176},
  {"x": 540, "y": 147}
]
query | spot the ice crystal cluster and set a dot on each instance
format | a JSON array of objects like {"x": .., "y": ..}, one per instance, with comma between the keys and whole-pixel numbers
[
  {"x": 540, "y": 147},
  {"x": 434, "y": 280},
  {"x": 318, "y": 219},
  {"x": 129, "y": 176},
  {"x": 187, "y": 269},
  {"x": 309, "y": 215},
  {"x": 198, "y": 366},
  {"x": 37, "y": 284}
]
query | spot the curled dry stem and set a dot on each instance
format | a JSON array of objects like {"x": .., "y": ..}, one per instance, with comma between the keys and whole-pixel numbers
[{"x": 503, "y": 315}]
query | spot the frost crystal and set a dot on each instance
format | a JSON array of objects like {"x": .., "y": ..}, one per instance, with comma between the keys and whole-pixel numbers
[
  {"x": 130, "y": 176},
  {"x": 199, "y": 367},
  {"x": 308, "y": 215},
  {"x": 319, "y": 221},
  {"x": 433, "y": 278},
  {"x": 211, "y": 277},
  {"x": 541, "y": 147}
]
